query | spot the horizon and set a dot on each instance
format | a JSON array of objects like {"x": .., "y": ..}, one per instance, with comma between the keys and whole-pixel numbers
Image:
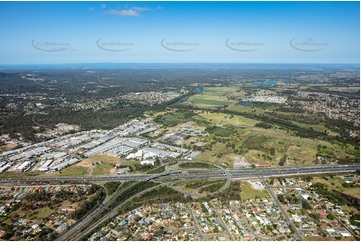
[{"x": 167, "y": 65}]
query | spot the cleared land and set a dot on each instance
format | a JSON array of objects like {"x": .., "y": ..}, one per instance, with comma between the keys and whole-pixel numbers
[
  {"x": 247, "y": 192},
  {"x": 336, "y": 183},
  {"x": 213, "y": 97},
  {"x": 101, "y": 164},
  {"x": 240, "y": 135}
]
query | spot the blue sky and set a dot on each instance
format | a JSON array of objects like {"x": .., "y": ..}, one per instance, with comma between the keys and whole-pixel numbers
[{"x": 186, "y": 32}]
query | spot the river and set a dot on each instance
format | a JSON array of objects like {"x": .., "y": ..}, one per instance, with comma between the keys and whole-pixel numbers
[{"x": 197, "y": 90}]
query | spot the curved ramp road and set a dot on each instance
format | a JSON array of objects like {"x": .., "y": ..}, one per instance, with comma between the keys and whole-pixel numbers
[
  {"x": 113, "y": 213},
  {"x": 96, "y": 212},
  {"x": 88, "y": 224},
  {"x": 225, "y": 173}
]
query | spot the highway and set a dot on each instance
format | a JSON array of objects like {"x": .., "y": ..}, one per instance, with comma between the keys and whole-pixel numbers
[
  {"x": 88, "y": 224},
  {"x": 213, "y": 173},
  {"x": 111, "y": 214},
  {"x": 96, "y": 212}
]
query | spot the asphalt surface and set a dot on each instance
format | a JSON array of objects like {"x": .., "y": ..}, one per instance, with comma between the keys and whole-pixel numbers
[
  {"x": 113, "y": 213},
  {"x": 241, "y": 174},
  {"x": 88, "y": 224},
  {"x": 285, "y": 214},
  {"x": 84, "y": 222}
]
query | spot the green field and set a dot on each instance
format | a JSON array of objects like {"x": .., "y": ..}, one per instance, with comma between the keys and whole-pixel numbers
[
  {"x": 174, "y": 117},
  {"x": 294, "y": 137},
  {"x": 156, "y": 170},
  {"x": 213, "y": 187},
  {"x": 43, "y": 212},
  {"x": 74, "y": 171},
  {"x": 102, "y": 164},
  {"x": 336, "y": 183},
  {"x": 10, "y": 174},
  {"x": 256, "y": 144},
  {"x": 104, "y": 169},
  {"x": 247, "y": 192},
  {"x": 225, "y": 119},
  {"x": 259, "y": 144},
  {"x": 212, "y": 97}
]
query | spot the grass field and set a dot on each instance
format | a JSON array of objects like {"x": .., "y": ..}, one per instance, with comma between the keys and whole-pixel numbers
[
  {"x": 213, "y": 187},
  {"x": 336, "y": 183},
  {"x": 173, "y": 117},
  {"x": 226, "y": 119},
  {"x": 43, "y": 212},
  {"x": 257, "y": 144},
  {"x": 9, "y": 174},
  {"x": 218, "y": 154},
  {"x": 104, "y": 169},
  {"x": 104, "y": 166},
  {"x": 215, "y": 97},
  {"x": 247, "y": 192},
  {"x": 73, "y": 171},
  {"x": 156, "y": 170}
]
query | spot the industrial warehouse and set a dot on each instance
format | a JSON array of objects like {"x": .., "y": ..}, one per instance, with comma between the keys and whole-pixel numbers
[{"x": 59, "y": 153}]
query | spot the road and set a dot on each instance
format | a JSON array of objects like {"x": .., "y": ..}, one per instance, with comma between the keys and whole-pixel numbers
[
  {"x": 330, "y": 212},
  {"x": 220, "y": 219},
  {"x": 222, "y": 174},
  {"x": 111, "y": 214},
  {"x": 96, "y": 212},
  {"x": 196, "y": 226},
  {"x": 285, "y": 214},
  {"x": 234, "y": 174}
]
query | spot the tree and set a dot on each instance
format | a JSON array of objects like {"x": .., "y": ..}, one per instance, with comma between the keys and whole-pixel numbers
[
  {"x": 283, "y": 160},
  {"x": 281, "y": 198},
  {"x": 315, "y": 216},
  {"x": 272, "y": 151},
  {"x": 305, "y": 205},
  {"x": 330, "y": 216}
]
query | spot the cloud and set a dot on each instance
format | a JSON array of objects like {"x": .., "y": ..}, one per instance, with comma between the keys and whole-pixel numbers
[
  {"x": 103, "y": 6},
  {"x": 140, "y": 9},
  {"x": 91, "y": 9},
  {"x": 129, "y": 12},
  {"x": 134, "y": 11}
]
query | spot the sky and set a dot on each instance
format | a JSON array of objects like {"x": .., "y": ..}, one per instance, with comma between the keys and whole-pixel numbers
[{"x": 179, "y": 32}]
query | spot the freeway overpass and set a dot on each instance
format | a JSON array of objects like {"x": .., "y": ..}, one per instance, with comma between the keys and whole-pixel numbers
[
  {"x": 213, "y": 173},
  {"x": 75, "y": 231}
]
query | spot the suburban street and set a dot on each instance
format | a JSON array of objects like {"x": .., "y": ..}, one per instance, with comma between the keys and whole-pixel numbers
[
  {"x": 225, "y": 174},
  {"x": 285, "y": 214},
  {"x": 87, "y": 224},
  {"x": 86, "y": 220}
]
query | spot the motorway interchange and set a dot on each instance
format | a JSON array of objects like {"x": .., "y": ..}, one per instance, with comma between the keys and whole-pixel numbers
[
  {"x": 91, "y": 221},
  {"x": 234, "y": 173}
]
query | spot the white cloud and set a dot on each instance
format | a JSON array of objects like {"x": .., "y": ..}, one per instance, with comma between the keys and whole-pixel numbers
[
  {"x": 134, "y": 11},
  {"x": 140, "y": 9},
  {"x": 103, "y": 6},
  {"x": 129, "y": 12}
]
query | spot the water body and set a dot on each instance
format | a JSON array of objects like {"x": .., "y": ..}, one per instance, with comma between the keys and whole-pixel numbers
[
  {"x": 246, "y": 103},
  {"x": 268, "y": 83},
  {"x": 197, "y": 90}
]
